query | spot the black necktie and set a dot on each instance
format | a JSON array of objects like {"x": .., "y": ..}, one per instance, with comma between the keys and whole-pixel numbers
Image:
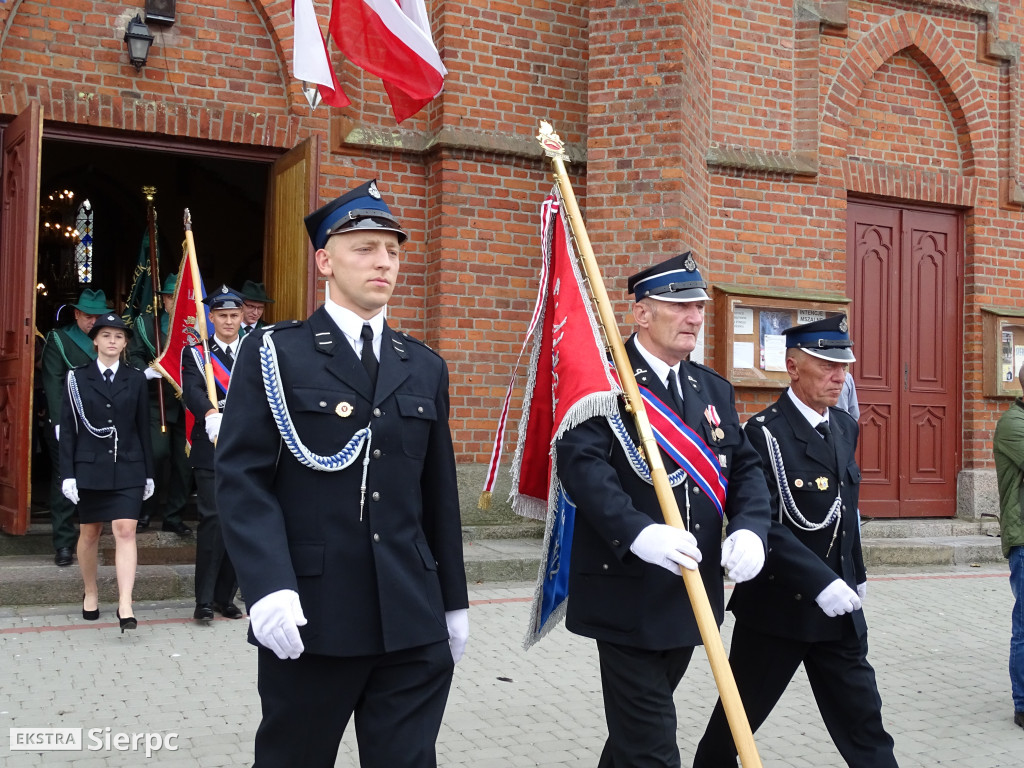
[
  {"x": 369, "y": 359},
  {"x": 109, "y": 376},
  {"x": 245, "y": 329},
  {"x": 227, "y": 351},
  {"x": 673, "y": 391},
  {"x": 826, "y": 432}
]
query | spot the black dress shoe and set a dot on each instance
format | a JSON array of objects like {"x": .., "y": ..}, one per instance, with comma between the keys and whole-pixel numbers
[
  {"x": 126, "y": 622},
  {"x": 143, "y": 522},
  {"x": 1018, "y": 718},
  {"x": 203, "y": 613},
  {"x": 228, "y": 610},
  {"x": 63, "y": 556},
  {"x": 179, "y": 528},
  {"x": 92, "y": 615}
]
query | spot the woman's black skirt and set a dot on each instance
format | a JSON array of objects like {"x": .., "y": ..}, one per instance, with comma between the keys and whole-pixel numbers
[{"x": 104, "y": 506}]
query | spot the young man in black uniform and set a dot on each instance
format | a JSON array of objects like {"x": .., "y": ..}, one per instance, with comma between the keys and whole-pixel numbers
[
  {"x": 169, "y": 446},
  {"x": 625, "y": 586},
  {"x": 805, "y": 606},
  {"x": 336, "y": 479},
  {"x": 215, "y": 575}
]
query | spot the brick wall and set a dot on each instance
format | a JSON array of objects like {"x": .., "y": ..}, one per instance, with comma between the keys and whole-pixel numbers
[{"x": 737, "y": 130}]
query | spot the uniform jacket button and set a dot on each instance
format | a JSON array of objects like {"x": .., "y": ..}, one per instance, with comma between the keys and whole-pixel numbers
[
  {"x": 108, "y": 405},
  {"x": 615, "y": 542},
  {"x": 419, "y": 409},
  {"x": 376, "y": 411},
  {"x": 375, "y": 496},
  {"x": 696, "y": 526},
  {"x": 798, "y": 596},
  {"x": 323, "y": 403},
  {"x": 376, "y": 537},
  {"x": 604, "y": 566},
  {"x": 376, "y": 453}
]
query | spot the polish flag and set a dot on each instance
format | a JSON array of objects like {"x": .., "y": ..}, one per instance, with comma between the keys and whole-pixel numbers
[
  {"x": 310, "y": 62},
  {"x": 391, "y": 40}
]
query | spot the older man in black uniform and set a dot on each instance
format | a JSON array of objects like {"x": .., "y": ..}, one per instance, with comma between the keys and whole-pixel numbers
[
  {"x": 625, "y": 587},
  {"x": 805, "y": 606},
  {"x": 336, "y": 479},
  {"x": 215, "y": 575}
]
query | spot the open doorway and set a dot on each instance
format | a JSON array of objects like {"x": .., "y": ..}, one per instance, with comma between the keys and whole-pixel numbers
[{"x": 92, "y": 219}]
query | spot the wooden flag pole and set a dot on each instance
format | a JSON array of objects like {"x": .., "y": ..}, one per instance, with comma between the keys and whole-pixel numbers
[
  {"x": 190, "y": 244},
  {"x": 705, "y": 617}
]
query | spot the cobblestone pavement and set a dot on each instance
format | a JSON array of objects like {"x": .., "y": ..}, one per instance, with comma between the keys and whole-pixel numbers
[{"x": 939, "y": 644}]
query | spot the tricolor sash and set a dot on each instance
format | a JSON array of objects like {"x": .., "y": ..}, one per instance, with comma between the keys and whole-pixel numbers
[
  {"x": 221, "y": 373},
  {"x": 686, "y": 448}
]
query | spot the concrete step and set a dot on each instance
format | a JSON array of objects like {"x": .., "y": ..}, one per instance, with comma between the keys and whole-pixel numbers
[{"x": 495, "y": 553}]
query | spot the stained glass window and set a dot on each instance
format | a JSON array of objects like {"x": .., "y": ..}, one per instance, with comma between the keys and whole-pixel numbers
[{"x": 83, "y": 248}]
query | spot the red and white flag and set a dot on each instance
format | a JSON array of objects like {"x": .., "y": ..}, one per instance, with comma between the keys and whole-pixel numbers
[
  {"x": 392, "y": 40},
  {"x": 570, "y": 381},
  {"x": 310, "y": 61},
  {"x": 186, "y": 327}
]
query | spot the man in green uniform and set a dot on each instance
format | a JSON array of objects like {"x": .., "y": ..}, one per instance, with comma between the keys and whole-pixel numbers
[
  {"x": 254, "y": 301},
  {"x": 169, "y": 446},
  {"x": 66, "y": 348}
]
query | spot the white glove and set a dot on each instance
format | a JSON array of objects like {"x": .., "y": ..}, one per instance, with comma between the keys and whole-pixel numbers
[
  {"x": 148, "y": 490},
  {"x": 837, "y": 598},
  {"x": 213, "y": 426},
  {"x": 862, "y": 590},
  {"x": 742, "y": 555},
  {"x": 458, "y": 631},
  {"x": 56, "y": 431},
  {"x": 152, "y": 373},
  {"x": 666, "y": 546},
  {"x": 70, "y": 490},
  {"x": 275, "y": 621}
]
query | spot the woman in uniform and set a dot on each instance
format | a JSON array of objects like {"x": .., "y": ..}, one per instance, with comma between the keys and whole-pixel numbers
[{"x": 106, "y": 460}]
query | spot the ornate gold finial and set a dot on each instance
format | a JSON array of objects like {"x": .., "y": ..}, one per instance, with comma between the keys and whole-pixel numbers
[
  {"x": 549, "y": 140},
  {"x": 149, "y": 192}
]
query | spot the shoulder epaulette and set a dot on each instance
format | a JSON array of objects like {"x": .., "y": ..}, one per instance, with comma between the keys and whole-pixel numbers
[
  {"x": 281, "y": 325},
  {"x": 768, "y": 415},
  {"x": 704, "y": 369},
  {"x": 406, "y": 337}
]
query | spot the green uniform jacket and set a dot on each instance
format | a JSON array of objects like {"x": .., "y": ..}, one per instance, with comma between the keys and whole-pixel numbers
[
  {"x": 1008, "y": 446},
  {"x": 65, "y": 349}
]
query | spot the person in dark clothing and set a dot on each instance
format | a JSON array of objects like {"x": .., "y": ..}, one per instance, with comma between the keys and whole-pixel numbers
[{"x": 106, "y": 461}]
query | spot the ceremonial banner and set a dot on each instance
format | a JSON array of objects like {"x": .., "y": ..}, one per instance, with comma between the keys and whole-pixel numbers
[
  {"x": 391, "y": 40},
  {"x": 187, "y": 326},
  {"x": 140, "y": 301},
  {"x": 310, "y": 61},
  {"x": 569, "y": 382}
]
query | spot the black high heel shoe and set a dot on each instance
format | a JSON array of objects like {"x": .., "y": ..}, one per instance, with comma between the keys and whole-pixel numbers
[
  {"x": 129, "y": 622},
  {"x": 92, "y": 615}
]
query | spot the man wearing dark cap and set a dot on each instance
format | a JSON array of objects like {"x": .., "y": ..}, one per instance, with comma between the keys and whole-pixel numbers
[
  {"x": 66, "y": 348},
  {"x": 805, "y": 606},
  {"x": 215, "y": 575},
  {"x": 169, "y": 454},
  {"x": 336, "y": 479},
  {"x": 254, "y": 301},
  {"x": 625, "y": 585}
]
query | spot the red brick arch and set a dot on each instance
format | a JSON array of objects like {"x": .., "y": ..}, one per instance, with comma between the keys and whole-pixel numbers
[{"x": 971, "y": 117}]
